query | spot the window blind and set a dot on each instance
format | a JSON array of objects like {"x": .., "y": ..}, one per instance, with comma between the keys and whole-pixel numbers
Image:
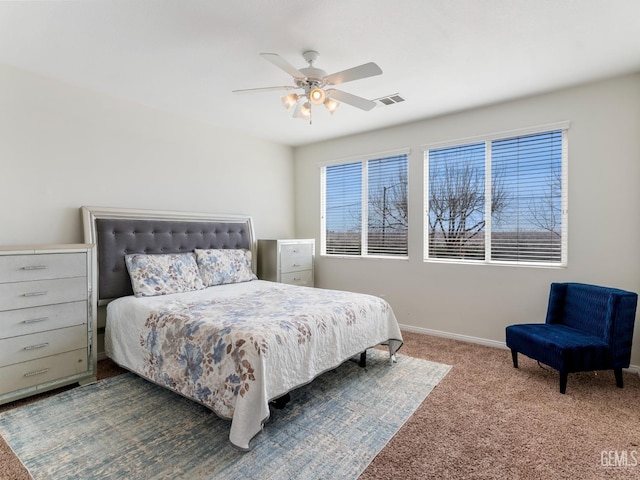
[
  {"x": 387, "y": 209},
  {"x": 456, "y": 199},
  {"x": 365, "y": 207},
  {"x": 498, "y": 200},
  {"x": 343, "y": 209},
  {"x": 527, "y": 222}
]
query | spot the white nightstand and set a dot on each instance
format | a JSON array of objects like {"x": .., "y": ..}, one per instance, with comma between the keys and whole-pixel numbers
[
  {"x": 47, "y": 319},
  {"x": 286, "y": 261}
]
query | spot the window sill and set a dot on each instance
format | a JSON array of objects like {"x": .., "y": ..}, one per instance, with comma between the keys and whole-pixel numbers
[
  {"x": 496, "y": 263},
  {"x": 366, "y": 257}
]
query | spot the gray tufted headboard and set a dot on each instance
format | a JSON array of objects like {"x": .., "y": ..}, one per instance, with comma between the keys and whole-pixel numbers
[{"x": 117, "y": 232}]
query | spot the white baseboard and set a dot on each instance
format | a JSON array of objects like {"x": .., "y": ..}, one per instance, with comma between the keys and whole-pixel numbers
[
  {"x": 482, "y": 341},
  {"x": 454, "y": 336}
]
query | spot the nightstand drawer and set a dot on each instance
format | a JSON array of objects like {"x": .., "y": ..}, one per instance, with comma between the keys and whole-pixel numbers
[
  {"x": 295, "y": 264},
  {"x": 304, "y": 278},
  {"x": 42, "y": 292},
  {"x": 293, "y": 250},
  {"x": 44, "y": 344},
  {"x": 22, "y": 268},
  {"x": 27, "y": 374},
  {"x": 39, "y": 319}
]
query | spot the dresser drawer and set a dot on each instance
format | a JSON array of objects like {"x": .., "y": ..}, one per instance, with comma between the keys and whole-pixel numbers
[
  {"x": 294, "y": 258},
  {"x": 42, "y": 292},
  {"x": 303, "y": 278},
  {"x": 39, "y": 319},
  {"x": 22, "y": 268},
  {"x": 293, "y": 250},
  {"x": 35, "y": 372},
  {"x": 42, "y": 344},
  {"x": 295, "y": 264}
]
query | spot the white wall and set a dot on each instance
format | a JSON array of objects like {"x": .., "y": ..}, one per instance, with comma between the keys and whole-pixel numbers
[
  {"x": 481, "y": 300},
  {"x": 62, "y": 147}
]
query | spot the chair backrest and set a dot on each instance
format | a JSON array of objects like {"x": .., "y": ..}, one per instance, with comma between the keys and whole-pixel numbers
[{"x": 608, "y": 313}]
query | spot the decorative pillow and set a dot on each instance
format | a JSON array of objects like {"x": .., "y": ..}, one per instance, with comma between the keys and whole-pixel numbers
[
  {"x": 218, "y": 267},
  {"x": 162, "y": 274}
]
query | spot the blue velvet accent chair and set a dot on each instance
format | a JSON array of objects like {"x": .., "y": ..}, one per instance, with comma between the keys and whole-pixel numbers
[{"x": 588, "y": 327}]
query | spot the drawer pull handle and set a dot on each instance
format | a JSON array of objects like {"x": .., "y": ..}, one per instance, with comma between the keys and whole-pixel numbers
[
  {"x": 35, "y": 267},
  {"x": 36, "y": 372},
  {"x": 35, "y": 320},
  {"x": 35, "y": 347},
  {"x": 296, "y": 279},
  {"x": 295, "y": 265},
  {"x": 34, "y": 294}
]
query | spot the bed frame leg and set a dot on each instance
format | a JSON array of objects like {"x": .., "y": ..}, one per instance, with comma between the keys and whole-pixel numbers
[
  {"x": 280, "y": 402},
  {"x": 363, "y": 359},
  {"x": 392, "y": 356}
]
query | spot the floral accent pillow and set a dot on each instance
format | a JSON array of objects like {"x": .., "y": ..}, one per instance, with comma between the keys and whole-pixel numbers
[
  {"x": 218, "y": 267},
  {"x": 162, "y": 274}
]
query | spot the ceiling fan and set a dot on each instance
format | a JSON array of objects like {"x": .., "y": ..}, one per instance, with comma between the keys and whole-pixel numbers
[{"x": 316, "y": 85}]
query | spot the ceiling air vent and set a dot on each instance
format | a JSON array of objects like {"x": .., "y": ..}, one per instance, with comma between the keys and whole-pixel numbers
[{"x": 390, "y": 99}]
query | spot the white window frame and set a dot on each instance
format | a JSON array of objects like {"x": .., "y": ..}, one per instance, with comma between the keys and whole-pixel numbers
[
  {"x": 488, "y": 139},
  {"x": 364, "y": 159}
]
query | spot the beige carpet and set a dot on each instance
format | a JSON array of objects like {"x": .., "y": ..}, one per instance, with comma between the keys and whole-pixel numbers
[{"x": 489, "y": 420}]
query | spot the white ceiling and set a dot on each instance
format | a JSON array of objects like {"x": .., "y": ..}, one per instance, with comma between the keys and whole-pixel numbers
[{"x": 186, "y": 56}]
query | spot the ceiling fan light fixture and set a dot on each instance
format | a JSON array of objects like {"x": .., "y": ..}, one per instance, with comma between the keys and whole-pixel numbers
[
  {"x": 317, "y": 96},
  {"x": 331, "y": 105},
  {"x": 289, "y": 100},
  {"x": 305, "y": 110}
]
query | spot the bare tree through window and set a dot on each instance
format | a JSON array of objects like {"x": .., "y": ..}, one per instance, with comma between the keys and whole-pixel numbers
[
  {"x": 456, "y": 201},
  {"x": 524, "y": 201}
]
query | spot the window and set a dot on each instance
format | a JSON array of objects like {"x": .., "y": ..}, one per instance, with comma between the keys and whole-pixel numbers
[
  {"x": 499, "y": 200},
  {"x": 364, "y": 207}
]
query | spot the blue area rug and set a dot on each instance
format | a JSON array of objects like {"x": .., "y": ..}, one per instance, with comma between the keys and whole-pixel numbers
[{"x": 127, "y": 428}]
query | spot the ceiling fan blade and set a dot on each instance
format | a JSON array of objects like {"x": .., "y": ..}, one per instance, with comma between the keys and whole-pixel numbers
[
  {"x": 264, "y": 89},
  {"x": 280, "y": 62},
  {"x": 356, "y": 73},
  {"x": 353, "y": 100}
]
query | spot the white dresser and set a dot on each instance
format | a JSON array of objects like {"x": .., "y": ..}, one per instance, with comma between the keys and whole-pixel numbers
[
  {"x": 47, "y": 319},
  {"x": 286, "y": 261}
]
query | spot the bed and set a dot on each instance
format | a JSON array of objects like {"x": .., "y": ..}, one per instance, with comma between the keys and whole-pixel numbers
[{"x": 185, "y": 310}]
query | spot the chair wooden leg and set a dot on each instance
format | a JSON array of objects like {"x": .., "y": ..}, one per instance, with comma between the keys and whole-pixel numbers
[
  {"x": 618, "y": 373},
  {"x": 514, "y": 357},
  {"x": 563, "y": 382}
]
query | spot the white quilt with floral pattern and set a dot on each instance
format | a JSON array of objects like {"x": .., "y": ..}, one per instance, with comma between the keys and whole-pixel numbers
[{"x": 235, "y": 347}]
